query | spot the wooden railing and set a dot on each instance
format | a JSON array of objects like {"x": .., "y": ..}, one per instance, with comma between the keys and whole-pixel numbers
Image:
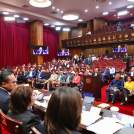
[{"x": 106, "y": 38}]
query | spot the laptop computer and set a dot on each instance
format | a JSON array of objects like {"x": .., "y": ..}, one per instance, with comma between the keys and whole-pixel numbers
[{"x": 88, "y": 100}]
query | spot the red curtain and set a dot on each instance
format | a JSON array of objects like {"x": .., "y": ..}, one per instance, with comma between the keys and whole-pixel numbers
[
  {"x": 14, "y": 43},
  {"x": 51, "y": 39}
]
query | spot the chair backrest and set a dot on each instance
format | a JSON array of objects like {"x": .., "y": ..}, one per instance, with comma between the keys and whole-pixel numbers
[
  {"x": 9, "y": 125},
  {"x": 34, "y": 131}
]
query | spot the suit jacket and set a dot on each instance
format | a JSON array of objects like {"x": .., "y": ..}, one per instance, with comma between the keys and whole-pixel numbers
[
  {"x": 107, "y": 72},
  {"x": 70, "y": 78},
  {"x": 41, "y": 75},
  {"x": 82, "y": 56},
  {"x": 87, "y": 62},
  {"x": 127, "y": 59},
  {"x": 77, "y": 80},
  {"x": 77, "y": 61},
  {"x": 29, "y": 119},
  {"x": 62, "y": 78},
  {"x": 4, "y": 100},
  {"x": 98, "y": 74},
  {"x": 33, "y": 73},
  {"x": 47, "y": 76},
  {"x": 38, "y": 52},
  {"x": 54, "y": 77}
]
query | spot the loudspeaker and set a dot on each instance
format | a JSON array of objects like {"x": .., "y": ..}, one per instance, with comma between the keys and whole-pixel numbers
[
  {"x": 30, "y": 44},
  {"x": 84, "y": 25},
  {"x": 106, "y": 51}
]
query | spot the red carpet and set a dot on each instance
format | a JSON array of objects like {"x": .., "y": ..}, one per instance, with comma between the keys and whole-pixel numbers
[{"x": 125, "y": 109}]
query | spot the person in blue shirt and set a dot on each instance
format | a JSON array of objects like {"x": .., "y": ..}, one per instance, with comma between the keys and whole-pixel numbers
[
  {"x": 114, "y": 86},
  {"x": 119, "y": 26},
  {"x": 105, "y": 73}
]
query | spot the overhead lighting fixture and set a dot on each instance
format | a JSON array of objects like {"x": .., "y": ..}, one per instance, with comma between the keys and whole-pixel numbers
[
  {"x": 58, "y": 28},
  {"x": 52, "y": 25},
  {"x": 70, "y": 17},
  {"x": 40, "y": 3},
  {"x": 80, "y": 20},
  {"x": 130, "y": 6},
  {"x": 53, "y": 7},
  {"x": 58, "y": 9},
  {"x": 46, "y": 24},
  {"x": 110, "y": 3},
  {"x": 66, "y": 29},
  {"x": 131, "y": 0},
  {"x": 86, "y": 10},
  {"x": 97, "y": 6},
  {"x": 25, "y": 18},
  {"x": 61, "y": 11},
  {"x": 105, "y": 13},
  {"x": 9, "y": 18},
  {"x": 6, "y": 13},
  {"x": 131, "y": 14},
  {"x": 118, "y": 17},
  {"x": 79, "y": 36},
  {"x": 16, "y": 16},
  {"x": 114, "y": 15},
  {"x": 122, "y": 13}
]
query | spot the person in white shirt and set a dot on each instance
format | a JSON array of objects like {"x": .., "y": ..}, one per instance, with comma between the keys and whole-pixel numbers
[
  {"x": 132, "y": 26},
  {"x": 88, "y": 33},
  {"x": 112, "y": 70},
  {"x": 87, "y": 71},
  {"x": 93, "y": 58},
  {"x": 132, "y": 71}
]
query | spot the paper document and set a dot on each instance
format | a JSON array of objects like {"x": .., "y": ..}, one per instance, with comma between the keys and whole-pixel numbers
[
  {"x": 103, "y": 105},
  {"x": 105, "y": 126},
  {"x": 127, "y": 119},
  {"x": 44, "y": 104}
]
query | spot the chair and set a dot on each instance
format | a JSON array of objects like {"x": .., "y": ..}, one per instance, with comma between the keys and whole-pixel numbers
[
  {"x": 118, "y": 68},
  {"x": 9, "y": 125},
  {"x": 34, "y": 131}
]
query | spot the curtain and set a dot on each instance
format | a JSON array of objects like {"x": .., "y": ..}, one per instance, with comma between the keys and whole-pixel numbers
[
  {"x": 14, "y": 43},
  {"x": 51, "y": 39}
]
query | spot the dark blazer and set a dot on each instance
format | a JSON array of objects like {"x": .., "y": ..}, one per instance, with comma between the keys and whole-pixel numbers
[
  {"x": 4, "y": 100},
  {"x": 29, "y": 119},
  {"x": 107, "y": 72},
  {"x": 98, "y": 74},
  {"x": 77, "y": 61},
  {"x": 127, "y": 59},
  {"x": 47, "y": 76},
  {"x": 88, "y": 62},
  {"x": 70, "y": 78},
  {"x": 41, "y": 75},
  {"x": 82, "y": 56}
]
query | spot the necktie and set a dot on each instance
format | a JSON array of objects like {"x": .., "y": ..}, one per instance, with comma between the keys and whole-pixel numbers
[{"x": 38, "y": 75}]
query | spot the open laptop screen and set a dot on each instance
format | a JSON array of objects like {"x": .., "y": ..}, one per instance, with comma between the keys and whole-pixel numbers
[{"x": 89, "y": 100}]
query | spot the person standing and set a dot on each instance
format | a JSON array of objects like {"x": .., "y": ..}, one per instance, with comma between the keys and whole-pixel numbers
[
  {"x": 127, "y": 61},
  {"x": 119, "y": 26}
]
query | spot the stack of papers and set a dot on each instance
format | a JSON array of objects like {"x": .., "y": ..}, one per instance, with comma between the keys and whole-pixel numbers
[
  {"x": 89, "y": 117},
  {"x": 44, "y": 104},
  {"x": 103, "y": 105},
  {"x": 105, "y": 126},
  {"x": 127, "y": 120}
]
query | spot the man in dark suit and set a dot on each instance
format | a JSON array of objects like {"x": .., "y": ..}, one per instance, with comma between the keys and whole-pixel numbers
[
  {"x": 40, "y": 75},
  {"x": 127, "y": 61},
  {"x": 7, "y": 83},
  {"x": 77, "y": 60},
  {"x": 31, "y": 74},
  {"x": 96, "y": 73},
  {"x": 82, "y": 56},
  {"x": 40, "y": 51},
  {"x": 88, "y": 61}
]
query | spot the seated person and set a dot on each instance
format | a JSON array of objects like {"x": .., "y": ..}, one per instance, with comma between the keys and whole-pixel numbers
[
  {"x": 72, "y": 70},
  {"x": 21, "y": 99},
  {"x": 63, "y": 121},
  {"x": 119, "y": 49},
  {"x": 47, "y": 75},
  {"x": 58, "y": 71},
  {"x": 61, "y": 78},
  {"x": 65, "y": 71},
  {"x": 105, "y": 73},
  {"x": 132, "y": 26},
  {"x": 132, "y": 71},
  {"x": 39, "y": 76},
  {"x": 88, "y": 33},
  {"x": 87, "y": 71},
  {"x": 25, "y": 72},
  {"x": 96, "y": 73},
  {"x": 40, "y": 51},
  {"x": 106, "y": 58},
  {"x": 43, "y": 69},
  {"x": 119, "y": 57},
  {"x": 128, "y": 88},
  {"x": 112, "y": 70},
  {"x": 76, "y": 80},
  {"x": 31, "y": 73},
  {"x": 114, "y": 86},
  {"x": 123, "y": 75},
  {"x": 114, "y": 57},
  {"x": 21, "y": 78},
  {"x": 51, "y": 79},
  {"x": 68, "y": 79}
]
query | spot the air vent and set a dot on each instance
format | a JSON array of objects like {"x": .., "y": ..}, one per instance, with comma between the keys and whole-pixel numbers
[
  {"x": 53, "y": 12},
  {"x": 100, "y": 1},
  {"x": 25, "y": 6}
]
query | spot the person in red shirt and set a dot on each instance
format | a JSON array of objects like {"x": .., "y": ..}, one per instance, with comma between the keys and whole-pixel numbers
[{"x": 76, "y": 80}]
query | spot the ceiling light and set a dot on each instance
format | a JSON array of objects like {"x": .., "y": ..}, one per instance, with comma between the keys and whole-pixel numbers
[
  {"x": 66, "y": 29},
  {"x": 110, "y": 3},
  {"x": 131, "y": 0},
  {"x": 122, "y": 13},
  {"x": 58, "y": 28},
  {"x": 40, "y": 3},
  {"x": 114, "y": 15},
  {"x": 130, "y": 6},
  {"x": 131, "y": 14},
  {"x": 105, "y": 13},
  {"x": 118, "y": 17},
  {"x": 53, "y": 7},
  {"x": 80, "y": 20},
  {"x": 70, "y": 17},
  {"x": 52, "y": 25},
  {"x": 46, "y": 24},
  {"x": 61, "y": 11},
  {"x": 25, "y": 18},
  {"x": 9, "y": 18},
  {"x": 97, "y": 6},
  {"x": 17, "y": 16},
  {"x": 6, "y": 13},
  {"x": 58, "y": 9},
  {"x": 79, "y": 36},
  {"x": 86, "y": 10}
]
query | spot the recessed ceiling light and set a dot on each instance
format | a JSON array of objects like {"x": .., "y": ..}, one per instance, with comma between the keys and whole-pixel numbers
[
  {"x": 6, "y": 13},
  {"x": 66, "y": 29},
  {"x": 58, "y": 9},
  {"x": 79, "y": 36},
  {"x": 61, "y": 11},
  {"x": 39, "y": 3},
  {"x": 118, "y": 17},
  {"x": 58, "y": 28},
  {"x": 131, "y": 0},
  {"x": 70, "y": 17},
  {"x": 122, "y": 13},
  {"x": 46, "y": 24},
  {"x": 80, "y": 20},
  {"x": 86, "y": 10},
  {"x": 25, "y": 18},
  {"x": 130, "y": 6},
  {"x": 52, "y": 25},
  {"x": 9, "y": 18},
  {"x": 131, "y": 14},
  {"x": 105, "y": 13},
  {"x": 17, "y": 16},
  {"x": 110, "y": 3},
  {"x": 53, "y": 7},
  {"x": 97, "y": 6},
  {"x": 114, "y": 15}
]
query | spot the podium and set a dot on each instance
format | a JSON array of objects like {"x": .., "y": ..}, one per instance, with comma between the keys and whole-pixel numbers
[{"x": 93, "y": 85}]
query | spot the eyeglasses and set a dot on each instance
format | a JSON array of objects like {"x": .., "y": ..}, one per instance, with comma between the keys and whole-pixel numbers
[{"x": 14, "y": 82}]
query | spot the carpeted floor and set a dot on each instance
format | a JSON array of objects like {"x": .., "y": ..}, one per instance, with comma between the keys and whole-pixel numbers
[{"x": 126, "y": 109}]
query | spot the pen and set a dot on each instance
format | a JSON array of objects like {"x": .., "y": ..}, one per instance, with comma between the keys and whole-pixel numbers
[{"x": 90, "y": 124}]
